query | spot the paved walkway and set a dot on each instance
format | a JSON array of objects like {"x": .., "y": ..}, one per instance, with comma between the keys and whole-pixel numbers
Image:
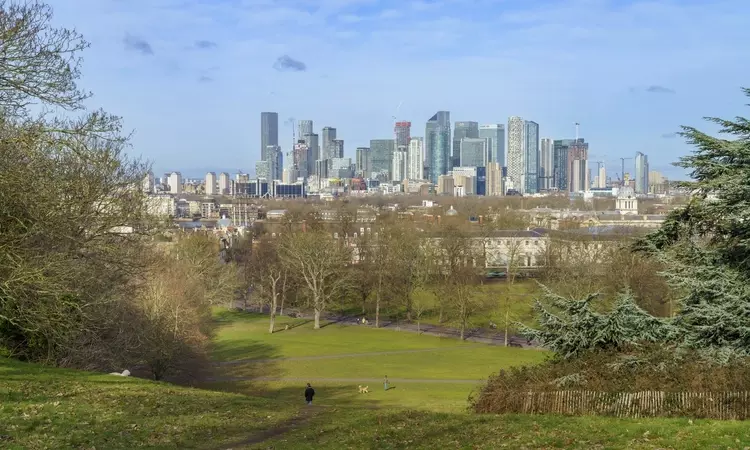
[
  {"x": 347, "y": 380},
  {"x": 342, "y": 355}
]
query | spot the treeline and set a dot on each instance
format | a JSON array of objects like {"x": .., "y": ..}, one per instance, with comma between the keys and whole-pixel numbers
[{"x": 81, "y": 282}]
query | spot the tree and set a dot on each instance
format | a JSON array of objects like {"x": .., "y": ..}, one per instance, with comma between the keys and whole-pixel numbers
[
  {"x": 512, "y": 263},
  {"x": 322, "y": 262},
  {"x": 268, "y": 276}
]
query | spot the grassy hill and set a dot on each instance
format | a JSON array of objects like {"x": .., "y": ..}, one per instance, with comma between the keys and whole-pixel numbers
[{"x": 50, "y": 408}]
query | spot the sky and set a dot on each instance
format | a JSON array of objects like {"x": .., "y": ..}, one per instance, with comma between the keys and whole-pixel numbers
[{"x": 191, "y": 77}]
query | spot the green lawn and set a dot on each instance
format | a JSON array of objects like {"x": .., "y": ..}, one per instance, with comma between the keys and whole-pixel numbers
[
  {"x": 46, "y": 408},
  {"x": 355, "y": 354}
]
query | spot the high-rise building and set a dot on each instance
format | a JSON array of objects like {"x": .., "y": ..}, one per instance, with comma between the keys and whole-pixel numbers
[
  {"x": 304, "y": 127},
  {"x": 516, "y": 152},
  {"x": 462, "y": 130},
  {"x": 496, "y": 134},
  {"x": 301, "y": 154},
  {"x": 341, "y": 168},
  {"x": 275, "y": 158},
  {"x": 495, "y": 179},
  {"x": 398, "y": 168},
  {"x": 473, "y": 152},
  {"x": 602, "y": 177},
  {"x": 149, "y": 182},
  {"x": 381, "y": 158},
  {"x": 531, "y": 157},
  {"x": 578, "y": 167},
  {"x": 363, "y": 163},
  {"x": 211, "y": 184},
  {"x": 437, "y": 145},
  {"x": 329, "y": 135},
  {"x": 546, "y": 164},
  {"x": 269, "y": 131},
  {"x": 445, "y": 185},
  {"x": 560, "y": 165},
  {"x": 311, "y": 139},
  {"x": 403, "y": 133},
  {"x": 338, "y": 148},
  {"x": 415, "y": 170},
  {"x": 641, "y": 173},
  {"x": 225, "y": 183},
  {"x": 175, "y": 183}
]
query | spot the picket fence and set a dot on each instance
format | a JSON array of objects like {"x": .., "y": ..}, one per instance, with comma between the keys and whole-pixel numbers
[{"x": 715, "y": 405}]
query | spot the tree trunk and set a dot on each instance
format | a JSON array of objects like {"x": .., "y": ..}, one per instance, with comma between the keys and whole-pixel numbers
[
  {"x": 273, "y": 310},
  {"x": 364, "y": 302},
  {"x": 377, "y": 310},
  {"x": 317, "y": 319},
  {"x": 463, "y": 326},
  {"x": 418, "y": 328},
  {"x": 283, "y": 294},
  {"x": 506, "y": 327},
  {"x": 440, "y": 314}
]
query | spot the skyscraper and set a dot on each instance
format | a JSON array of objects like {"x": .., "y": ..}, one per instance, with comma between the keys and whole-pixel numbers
[
  {"x": 546, "y": 164},
  {"x": 531, "y": 157},
  {"x": 578, "y": 166},
  {"x": 337, "y": 148},
  {"x": 275, "y": 158},
  {"x": 560, "y": 166},
  {"x": 211, "y": 184},
  {"x": 329, "y": 135},
  {"x": 398, "y": 166},
  {"x": 381, "y": 157},
  {"x": 494, "y": 179},
  {"x": 473, "y": 152},
  {"x": 304, "y": 127},
  {"x": 269, "y": 131},
  {"x": 496, "y": 134},
  {"x": 462, "y": 130},
  {"x": 641, "y": 173},
  {"x": 437, "y": 145},
  {"x": 403, "y": 133},
  {"x": 415, "y": 170},
  {"x": 516, "y": 154},
  {"x": 311, "y": 140},
  {"x": 363, "y": 166}
]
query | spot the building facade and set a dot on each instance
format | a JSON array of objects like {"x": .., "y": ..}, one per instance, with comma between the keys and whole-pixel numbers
[
  {"x": 415, "y": 165},
  {"x": 473, "y": 152},
  {"x": 462, "y": 130},
  {"x": 269, "y": 131},
  {"x": 516, "y": 154},
  {"x": 381, "y": 158},
  {"x": 641, "y": 173},
  {"x": 546, "y": 164},
  {"x": 531, "y": 157},
  {"x": 437, "y": 144},
  {"x": 496, "y": 134}
]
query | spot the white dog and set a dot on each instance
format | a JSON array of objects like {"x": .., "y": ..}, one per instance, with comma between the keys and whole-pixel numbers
[
  {"x": 125, "y": 373},
  {"x": 364, "y": 389}
]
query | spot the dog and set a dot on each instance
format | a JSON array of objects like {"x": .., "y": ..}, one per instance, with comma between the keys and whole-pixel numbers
[
  {"x": 364, "y": 389},
  {"x": 286, "y": 327}
]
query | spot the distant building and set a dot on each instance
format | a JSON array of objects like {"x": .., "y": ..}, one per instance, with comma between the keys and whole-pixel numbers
[
  {"x": 398, "y": 168},
  {"x": 495, "y": 185},
  {"x": 445, "y": 185},
  {"x": 211, "y": 184},
  {"x": 175, "y": 183},
  {"x": 415, "y": 166},
  {"x": 531, "y": 157},
  {"x": 462, "y": 130},
  {"x": 473, "y": 152},
  {"x": 269, "y": 132},
  {"x": 403, "y": 133},
  {"x": 496, "y": 134},
  {"x": 437, "y": 144},
  {"x": 516, "y": 154},
  {"x": 225, "y": 184},
  {"x": 328, "y": 149},
  {"x": 149, "y": 183},
  {"x": 363, "y": 163},
  {"x": 546, "y": 164},
  {"x": 641, "y": 173},
  {"x": 381, "y": 157}
]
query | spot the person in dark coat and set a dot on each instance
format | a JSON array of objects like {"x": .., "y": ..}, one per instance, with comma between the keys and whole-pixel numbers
[{"x": 309, "y": 393}]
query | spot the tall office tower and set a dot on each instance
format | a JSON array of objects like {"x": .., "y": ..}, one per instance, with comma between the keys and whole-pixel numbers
[
  {"x": 301, "y": 153},
  {"x": 148, "y": 182},
  {"x": 304, "y": 127},
  {"x": 381, "y": 158},
  {"x": 546, "y": 164},
  {"x": 275, "y": 159},
  {"x": 363, "y": 166},
  {"x": 329, "y": 135},
  {"x": 495, "y": 179},
  {"x": 311, "y": 139},
  {"x": 462, "y": 130},
  {"x": 211, "y": 184},
  {"x": 496, "y": 134},
  {"x": 398, "y": 168},
  {"x": 175, "y": 183},
  {"x": 437, "y": 145},
  {"x": 578, "y": 166},
  {"x": 516, "y": 152},
  {"x": 473, "y": 152},
  {"x": 269, "y": 131},
  {"x": 560, "y": 166},
  {"x": 403, "y": 133},
  {"x": 340, "y": 168},
  {"x": 602, "y": 177},
  {"x": 338, "y": 148},
  {"x": 225, "y": 184},
  {"x": 264, "y": 170},
  {"x": 641, "y": 173},
  {"x": 415, "y": 165},
  {"x": 531, "y": 158}
]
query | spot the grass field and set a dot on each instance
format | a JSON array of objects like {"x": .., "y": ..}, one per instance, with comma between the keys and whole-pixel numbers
[
  {"x": 46, "y": 408},
  {"x": 426, "y": 372}
]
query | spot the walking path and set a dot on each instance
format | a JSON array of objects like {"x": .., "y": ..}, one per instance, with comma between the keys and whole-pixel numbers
[
  {"x": 347, "y": 380},
  {"x": 342, "y": 355}
]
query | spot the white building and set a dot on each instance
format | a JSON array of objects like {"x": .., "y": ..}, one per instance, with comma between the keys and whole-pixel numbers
[
  {"x": 494, "y": 179},
  {"x": 398, "y": 167},
  {"x": 602, "y": 177},
  {"x": 516, "y": 152},
  {"x": 415, "y": 166},
  {"x": 546, "y": 164},
  {"x": 225, "y": 185},
  {"x": 626, "y": 202},
  {"x": 175, "y": 183},
  {"x": 161, "y": 205},
  {"x": 148, "y": 182},
  {"x": 211, "y": 185}
]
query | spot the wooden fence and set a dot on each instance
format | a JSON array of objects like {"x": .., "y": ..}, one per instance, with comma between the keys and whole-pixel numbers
[{"x": 715, "y": 405}]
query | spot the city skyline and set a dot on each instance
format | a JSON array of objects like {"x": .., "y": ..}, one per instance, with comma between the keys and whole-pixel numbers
[{"x": 189, "y": 78}]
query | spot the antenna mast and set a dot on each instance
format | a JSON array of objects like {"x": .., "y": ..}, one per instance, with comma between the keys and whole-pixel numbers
[{"x": 577, "y": 124}]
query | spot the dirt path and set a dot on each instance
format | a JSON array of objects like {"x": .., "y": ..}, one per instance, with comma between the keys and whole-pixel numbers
[
  {"x": 342, "y": 355},
  {"x": 347, "y": 380},
  {"x": 302, "y": 417}
]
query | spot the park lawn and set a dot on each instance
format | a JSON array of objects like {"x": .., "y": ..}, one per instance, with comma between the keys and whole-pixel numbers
[
  {"x": 48, "y": 408},
  {"x": 390, "y": 429},
  {"x": 243, "y": 335}
]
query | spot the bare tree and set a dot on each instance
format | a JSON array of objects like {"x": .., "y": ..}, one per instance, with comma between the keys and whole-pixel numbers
[
  {"x": 267, "y": 275},
  {"x": 322, "y": 262}
]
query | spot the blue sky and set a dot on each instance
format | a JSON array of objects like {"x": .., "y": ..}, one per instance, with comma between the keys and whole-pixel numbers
[{"x": 190, "y": 77}]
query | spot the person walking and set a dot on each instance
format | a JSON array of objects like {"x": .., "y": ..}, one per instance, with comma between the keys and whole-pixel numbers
[
  {"x": 385, "y": 382},
  {"x": 309, "y": 393}
]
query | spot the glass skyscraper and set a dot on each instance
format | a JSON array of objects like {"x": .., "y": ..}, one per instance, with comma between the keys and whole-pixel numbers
[
  {"x": 437, "y": 144},
  {"x": 496, "y": 134},
  {"x": 531, "y": 157}
]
